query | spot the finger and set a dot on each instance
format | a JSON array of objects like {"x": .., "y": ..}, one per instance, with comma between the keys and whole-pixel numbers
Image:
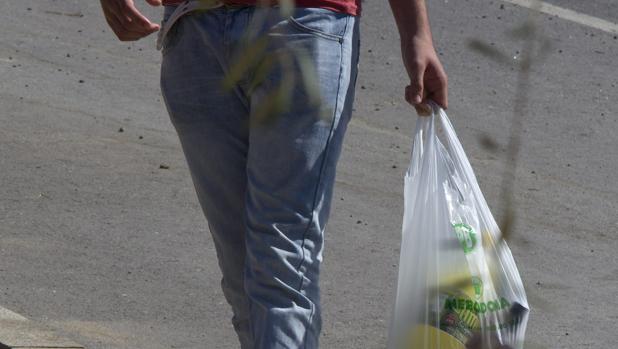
[
  {"x": 414, "y": 92},
  {"x": 413, "y": 96},
  {"x": 436, "y": 84},
  {"x": 131, "y": 18},
  {"x": 131, "y": 25},
  {"x": 440, "y": 94},
  {"x": 154, "y": 2},
  {"x": 137, "y": 19},
  {"x": 117, "y": 10},
  {"x": 422, "y": 109},
  {"x": 121, "y": 31}
]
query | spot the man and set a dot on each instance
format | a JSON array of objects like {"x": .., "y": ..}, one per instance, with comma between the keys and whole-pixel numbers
[{"x": 266, "y": 187}]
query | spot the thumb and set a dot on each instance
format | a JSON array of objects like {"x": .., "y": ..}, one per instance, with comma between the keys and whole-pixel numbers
[
  {"x": 414, "y": 91},
  {"x": 154, "y": 2}
]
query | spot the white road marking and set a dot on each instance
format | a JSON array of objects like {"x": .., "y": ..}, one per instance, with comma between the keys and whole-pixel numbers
[
  {"x": 17, "y": 331},
  {"x": 567, "y": 14},
  {"x": 6, "y": 314}
]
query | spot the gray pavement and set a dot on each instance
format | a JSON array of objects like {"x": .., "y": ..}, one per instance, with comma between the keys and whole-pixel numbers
[{"x": 101, "y": 243}]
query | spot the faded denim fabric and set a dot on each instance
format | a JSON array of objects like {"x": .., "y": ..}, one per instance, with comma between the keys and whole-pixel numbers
[{"x": 265, "y": 188}]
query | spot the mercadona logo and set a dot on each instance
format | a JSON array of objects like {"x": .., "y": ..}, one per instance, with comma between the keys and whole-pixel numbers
[
  {"x": 453, "y": 303},
  {"x": 466, "y": 236}
]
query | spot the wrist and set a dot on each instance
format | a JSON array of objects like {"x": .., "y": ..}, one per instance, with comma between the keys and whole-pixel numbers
[
  {"x": 411, "y": 18},
  {"x": 416, "y": 43},
  {"x": 416, "y": 32}
]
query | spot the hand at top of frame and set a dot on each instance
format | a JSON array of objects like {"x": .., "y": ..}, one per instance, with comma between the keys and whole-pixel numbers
[
  {"x": 427, "y": 77},
  {"x": 126, "y": 21}
]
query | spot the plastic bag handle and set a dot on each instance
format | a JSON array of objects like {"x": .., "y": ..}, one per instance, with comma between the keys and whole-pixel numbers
[
  {"x": 423, "y": 135},
  {"x": 457, "y": 155}
]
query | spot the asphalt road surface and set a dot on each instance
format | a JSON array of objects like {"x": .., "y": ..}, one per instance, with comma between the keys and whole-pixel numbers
[{"x": 102, "y": 242}]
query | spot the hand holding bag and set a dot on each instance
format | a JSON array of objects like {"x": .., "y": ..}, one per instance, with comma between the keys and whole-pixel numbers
[{"x": 458, "y": 285}]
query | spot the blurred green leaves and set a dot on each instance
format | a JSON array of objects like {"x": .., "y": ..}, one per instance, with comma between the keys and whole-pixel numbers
[
  {"x": 266, "y": 65},
  {"x": 253, "y": 55},
  {"x": 488, "y": 50},
  {"x": 535, "y": 47}
]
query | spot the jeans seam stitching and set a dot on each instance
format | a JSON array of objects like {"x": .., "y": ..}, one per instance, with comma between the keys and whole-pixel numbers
[
  {"x": 315, "y": 32},
  {"x": 171, "y": 39},
  {"x": 320, "y": 177}
]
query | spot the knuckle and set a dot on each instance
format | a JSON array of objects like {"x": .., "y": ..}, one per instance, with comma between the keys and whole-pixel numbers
[
  {"x": 125, "y": 21},
  {"x": 418, "y": 63},
  {"x": 414, "y": 87}
]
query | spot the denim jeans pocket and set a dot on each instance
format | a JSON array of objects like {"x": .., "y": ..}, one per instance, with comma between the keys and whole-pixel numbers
[
  {"x": 320, "y": 22},
  {"x": 170, "y": 39}
]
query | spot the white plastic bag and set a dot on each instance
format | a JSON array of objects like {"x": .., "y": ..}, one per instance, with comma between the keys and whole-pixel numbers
[{"x": 458, "y": 286}]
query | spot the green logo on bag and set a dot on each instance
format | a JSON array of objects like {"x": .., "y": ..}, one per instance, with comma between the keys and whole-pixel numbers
[
  {"x": 477, "y": 284},
  {"x": 454, "y": 303},
  {"x": 466, "y": 236}
]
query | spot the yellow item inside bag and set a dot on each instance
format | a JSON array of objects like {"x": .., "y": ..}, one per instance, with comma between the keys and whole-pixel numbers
[
  {"x": 429, "y": 337},
  {"x": 451, "y": 323}
]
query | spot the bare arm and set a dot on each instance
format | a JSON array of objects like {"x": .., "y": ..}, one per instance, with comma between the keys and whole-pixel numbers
[
  {"x": 427, "y": 77},
  {"x": 126, "y": 21}
]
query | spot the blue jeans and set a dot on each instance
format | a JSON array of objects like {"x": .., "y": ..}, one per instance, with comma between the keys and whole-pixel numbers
[{"x": 265, "y": 187}]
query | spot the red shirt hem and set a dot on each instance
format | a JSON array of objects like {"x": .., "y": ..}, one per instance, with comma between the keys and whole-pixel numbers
[{"x": 351, "y": 7}]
